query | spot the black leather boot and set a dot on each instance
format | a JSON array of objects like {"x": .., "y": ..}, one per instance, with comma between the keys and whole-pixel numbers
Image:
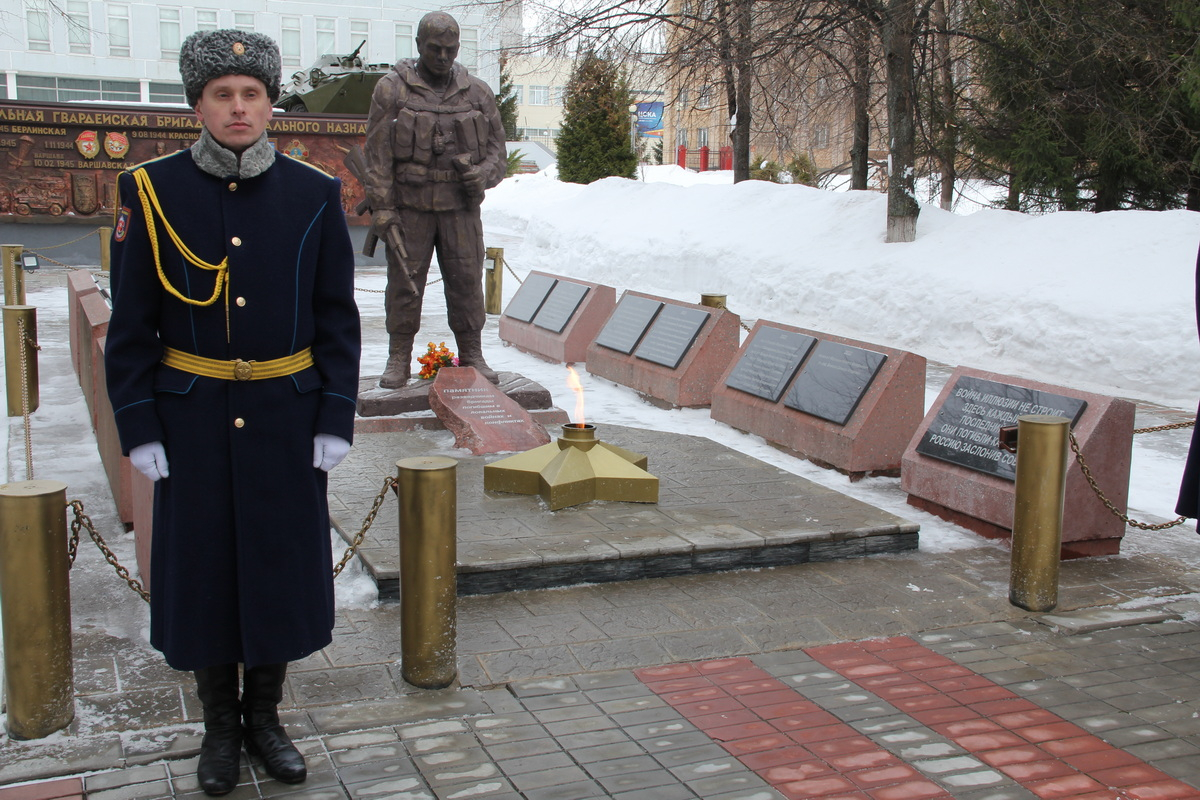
[
  {"x": 398, "y": 369},
  {"x": 221, "y": 750},
  {"x": 470, "y": 354},
  {"x": 265, "y": 737}
]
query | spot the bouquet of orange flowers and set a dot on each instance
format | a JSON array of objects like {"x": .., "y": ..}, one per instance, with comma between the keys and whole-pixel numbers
[{"x": 434, "y": 359}]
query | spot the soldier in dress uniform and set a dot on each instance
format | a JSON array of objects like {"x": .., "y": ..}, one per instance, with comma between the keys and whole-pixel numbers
[
  {"x": 232, "y": 365},
  {"x": 435, "y": 142}
]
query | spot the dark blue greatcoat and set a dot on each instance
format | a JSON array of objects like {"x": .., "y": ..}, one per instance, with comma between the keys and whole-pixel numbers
[
  {"x": 241, "y": 563},
  {"x": 1189, "y": 489}
]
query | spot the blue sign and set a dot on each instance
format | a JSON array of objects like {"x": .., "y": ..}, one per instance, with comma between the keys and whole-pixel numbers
[{"x": 650, "y": 120}]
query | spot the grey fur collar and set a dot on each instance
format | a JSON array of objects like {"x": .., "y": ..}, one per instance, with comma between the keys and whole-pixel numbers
[{"x": 212, "y": 157}]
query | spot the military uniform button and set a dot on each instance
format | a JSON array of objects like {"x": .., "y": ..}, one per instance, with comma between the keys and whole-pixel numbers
[
  {"x": 239, "y": 423},
  {"x": 236, "y": 241},
  {"x": 241, "y": 301},
  {"x": 232, "y": 186}
]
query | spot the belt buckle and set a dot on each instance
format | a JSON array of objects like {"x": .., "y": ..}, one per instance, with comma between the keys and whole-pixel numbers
[{"x": 243, "y": 370}]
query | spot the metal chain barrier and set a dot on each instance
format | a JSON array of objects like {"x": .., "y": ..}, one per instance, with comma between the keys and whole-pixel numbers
[
  {"x": 92, "y": 232},
  {"x": 1087, "y": 473},
  {"x": 389, "y": 482},
  {"x": 1173, "y": 426},
  {"x": 26, "y": 344},
  {"x": 83, "y": 521}
]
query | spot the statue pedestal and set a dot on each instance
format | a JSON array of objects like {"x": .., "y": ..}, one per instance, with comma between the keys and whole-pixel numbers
[{"x": 407, "y": 408}]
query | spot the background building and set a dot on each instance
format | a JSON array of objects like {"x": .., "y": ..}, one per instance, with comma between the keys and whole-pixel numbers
[{"x": 128, "y": 51}]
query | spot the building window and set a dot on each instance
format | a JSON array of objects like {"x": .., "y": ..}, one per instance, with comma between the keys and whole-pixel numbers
[
  {"x": 560, "y": 95},
  {"x": 518, "y": 91},
  {"x": 37, "y": 21},
  {"x": 79, "y": 27},
  {"x": 167, "y": 92},
  {"x": 289, "y": 41},
  {"x": 539, "y": 95},
  {"x": 168, "y": 32},
  {"x": 326, "y": 35},
  {"x": 702, "y": 137},
  {"x": 359, "y": 29},
  {"x": 404, "y": 41},
  {"x": 243, "y": 20},
  {"x": 468, "y": 48},
  {"x": 820, "y": 137},
  {"x": 35, "y": 87},
  {"x": 705, "y": 99},
  {"x": 681, "y": 137},
  {"x": 206, "y": 20},
  {"x": 118, "y": 29}
]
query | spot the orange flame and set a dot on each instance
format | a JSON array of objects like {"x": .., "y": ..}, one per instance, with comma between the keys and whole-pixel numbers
[{"x": 577, "y": 388}]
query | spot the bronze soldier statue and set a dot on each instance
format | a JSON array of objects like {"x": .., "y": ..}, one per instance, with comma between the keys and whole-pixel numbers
[{"x": 434, "y": 144}]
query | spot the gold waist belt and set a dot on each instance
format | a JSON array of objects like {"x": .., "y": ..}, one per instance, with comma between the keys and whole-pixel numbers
[{"x": 237, "y": 370}]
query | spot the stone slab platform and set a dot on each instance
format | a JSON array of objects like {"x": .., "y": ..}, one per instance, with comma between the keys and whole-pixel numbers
[{"x": 718, "y": 509}]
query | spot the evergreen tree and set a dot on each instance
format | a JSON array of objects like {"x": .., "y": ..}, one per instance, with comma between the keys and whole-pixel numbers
[
  {"x": 506, "y": 102},
  {"x": 593, "y": 142}
]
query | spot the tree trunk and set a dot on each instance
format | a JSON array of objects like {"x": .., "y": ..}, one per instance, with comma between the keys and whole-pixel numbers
[
  {"x": 948, "y": 146},
  {"x": 897, "y": 34},
  {"x": 861, "y": 93},
  {"x": 743, "y": 48}
]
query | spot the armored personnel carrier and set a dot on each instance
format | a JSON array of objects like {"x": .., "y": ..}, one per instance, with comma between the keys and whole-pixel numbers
[{"x": 334, "y": 85}]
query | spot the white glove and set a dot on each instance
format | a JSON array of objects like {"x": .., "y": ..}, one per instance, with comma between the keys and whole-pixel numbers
[
  {"x": 329, "y": 450},
  {"x": 150, "y": 459}
]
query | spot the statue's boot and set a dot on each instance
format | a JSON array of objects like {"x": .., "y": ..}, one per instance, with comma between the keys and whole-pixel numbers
[
  {"x": 399, "y": 363},
  {"x": 470, "y": 354}
]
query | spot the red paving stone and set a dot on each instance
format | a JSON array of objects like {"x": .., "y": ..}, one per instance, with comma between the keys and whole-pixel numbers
[
  {"x": 805, "y": 751},
  {"x": 66, "y": 789}
]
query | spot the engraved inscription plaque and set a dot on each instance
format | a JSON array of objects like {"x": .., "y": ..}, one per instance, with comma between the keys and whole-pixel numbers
[
  {"x": 770, "y": 362},
  {"x": 966, "y": 428},
  {"x": 530, "y": 297},
  {"x": 628, "y": 322},
  {"x": 560, "y": 306},
  {"x": 671, "y": 335},
  {"x": 833, "y": 381}
]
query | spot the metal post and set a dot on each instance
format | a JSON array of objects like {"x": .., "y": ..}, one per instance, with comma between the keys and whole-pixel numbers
[
  {"x": 712, "y": 300},
  {"x": 21, "y": 373},
  {"x": 105, "y": 247},
  {"x": 493, "y": 279},
  {"x": 1038, "y": 510},
  {"x": 14, "y": 278},
  {"x": 35, "y": 600},
  {"x": 428, "y": 581}
]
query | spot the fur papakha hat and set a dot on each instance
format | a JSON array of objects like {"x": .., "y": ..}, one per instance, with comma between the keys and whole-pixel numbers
[{"x": 212, "y": 54}]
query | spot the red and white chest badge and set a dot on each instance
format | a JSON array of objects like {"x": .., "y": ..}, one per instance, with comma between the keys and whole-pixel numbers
[{"x": 88, "y": 144}]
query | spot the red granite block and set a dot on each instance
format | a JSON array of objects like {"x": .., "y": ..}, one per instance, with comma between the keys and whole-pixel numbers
[
  {"x": 868, "y": 670},
  {"x": 874, "y": 438},
  {"x": 802, "y": 771},
  {"x": 985, "y": 502},
  {"x": 48, "y": 790},
  {"x": 756, "y": 744},
  {"x": 763, "y": 686},
  {"x": 1075, "y": 746},
  {"x": 689, "y": 385},
  {"x": 737, "y": 676},
  {"x": 1032, "y": 716},
  {"x": 812, "y": 719},
  {"x": 884, "y": 776},
  {"x": 868, "y": 759},
  {"x": 966, "y": 727},
  {"x": 1027, "y": 771},
  {"x": 1051, "y": 732},
  {"x": 916, "y": 689},
  {"x": 779, "y": 710},
  {"x": 1072, "y": 785},
  {"x": 720, "y": 665},
  {"x": 571, "y": 344},
  {"x": 843, "y": 746},
  {"x": 1097, "y": 760},
  {"x": 790, "y": 754},
  {"x": 680, "y": 684},
  {"x": 1129, "y": 775},
  {"x": 816, "y": 787},
  {"x": 761, "y": 700},
  {"x": 1164, "y": 790},
  {"x": 910, "y": 790},
  {"x": 989, "y": 741},
  {"x": 893, "y": 679},
  {"x": 482, "y": 418},
  {"x": 822, "y": 733},
  {"x": 909, "y": 651},
  {"x": 1021, "y": 754},
  {"x": 666, "y": 672},
  {"x": 699, "y": 694}
]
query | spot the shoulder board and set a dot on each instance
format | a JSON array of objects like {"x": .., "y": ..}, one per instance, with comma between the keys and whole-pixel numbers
[
  {"x": 279, "y": 153},
  {"x": 135, "y": 167}
]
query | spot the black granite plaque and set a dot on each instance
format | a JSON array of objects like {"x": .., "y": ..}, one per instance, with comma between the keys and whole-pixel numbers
[
  {"x": 965, "y": 430},
  {"x": 833, "y": 380},
  {"x": 560, "y": 306},
  {"x": 529, "y": 298},
  {"x": 671, "y": 335},
  {"x": 628, "y": 322},
  {"x": 770, "y": 362}
]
